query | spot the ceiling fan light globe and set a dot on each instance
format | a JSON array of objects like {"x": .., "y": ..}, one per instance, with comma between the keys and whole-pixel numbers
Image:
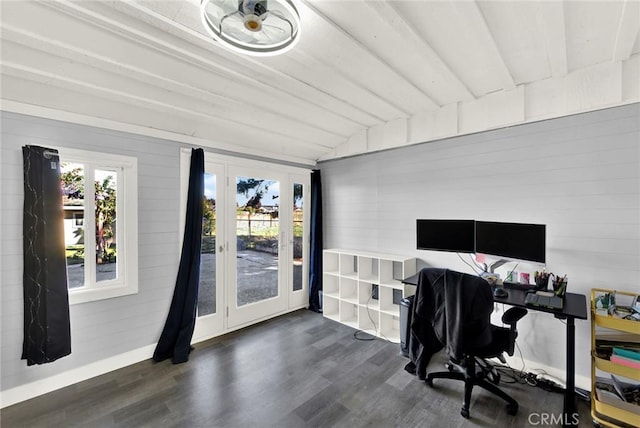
[{"x": 252, "y": 23}]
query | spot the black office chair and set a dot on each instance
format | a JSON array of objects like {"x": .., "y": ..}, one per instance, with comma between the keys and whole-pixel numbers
[
  {"x": 472, "y": 368},
  {"x": 453, "y": 310},
  {"x": 475, "y": 370}
]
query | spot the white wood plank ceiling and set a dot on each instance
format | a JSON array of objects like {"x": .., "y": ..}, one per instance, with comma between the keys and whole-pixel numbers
[{"x": 366, "y": 75}]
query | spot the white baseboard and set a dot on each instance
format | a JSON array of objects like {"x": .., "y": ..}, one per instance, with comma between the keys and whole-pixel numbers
[
  {"x": 43, "y": 386},
  {"x": 69, "y": 377}
]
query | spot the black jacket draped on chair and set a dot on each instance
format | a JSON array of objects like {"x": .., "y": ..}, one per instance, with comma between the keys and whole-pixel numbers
[{"x": 431, "y": 330}]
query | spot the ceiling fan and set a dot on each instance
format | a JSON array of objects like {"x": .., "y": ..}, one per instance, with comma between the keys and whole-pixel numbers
[{"x": 253, "y": 27}]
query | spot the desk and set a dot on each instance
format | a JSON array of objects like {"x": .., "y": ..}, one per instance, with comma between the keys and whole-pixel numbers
[{"x": 575, "y": 306}]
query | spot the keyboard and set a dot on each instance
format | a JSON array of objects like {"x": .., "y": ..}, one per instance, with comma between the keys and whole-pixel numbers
[{"x": 552, "y": 302}]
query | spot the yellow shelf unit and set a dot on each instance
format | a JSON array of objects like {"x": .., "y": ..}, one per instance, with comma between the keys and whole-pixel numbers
[{"x": 622, "y": 413}]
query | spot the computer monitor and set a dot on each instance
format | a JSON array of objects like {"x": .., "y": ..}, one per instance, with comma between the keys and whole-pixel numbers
[
  {"x": 519, "y": 241},
  {"x": 445, "y": 235}
]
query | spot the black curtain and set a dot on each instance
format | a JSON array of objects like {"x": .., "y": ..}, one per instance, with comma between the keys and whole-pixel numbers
[
  {"x": 175, "y": 340},
  {"x": 315, "y": 256},
  {"x": 47, "y": 331}
]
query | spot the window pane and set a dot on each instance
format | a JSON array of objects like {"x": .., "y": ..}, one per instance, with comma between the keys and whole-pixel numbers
[
  {"x": 72, "y": 182},
  {"x": 298, "y": 203},
  {"x": 257, "y": 233},
  {"x": 105, "y": 214},
  {"x": 207, "y": 291}
]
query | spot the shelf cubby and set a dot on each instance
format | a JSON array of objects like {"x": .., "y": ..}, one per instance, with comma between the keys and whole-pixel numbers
[
  {"x": 368, "y": 294},
  {"x": 368, "y": 269},
  {"x": 331, "y": 307},
  {"x": 348, "y": 265},
  {"x": 390, "y": 327},
  {"x": 330, "y": 285},
  {"x": 388, "y": 304},
  {"x": 368, "y": 320},
  {"x": 330, "y": 263},
  {"x": 348, "y": 290},
  {"x": 349, "y": 313}
]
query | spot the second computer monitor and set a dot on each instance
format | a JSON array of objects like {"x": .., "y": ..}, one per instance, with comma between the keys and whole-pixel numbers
[{"x": 520, "y": 241}]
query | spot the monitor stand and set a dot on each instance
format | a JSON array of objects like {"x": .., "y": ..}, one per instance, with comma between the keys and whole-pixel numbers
[{"x": 496, "y": 265}]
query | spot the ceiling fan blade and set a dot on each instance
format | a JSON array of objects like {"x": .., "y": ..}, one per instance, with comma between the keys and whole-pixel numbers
[{"x": 273, "y": 28}]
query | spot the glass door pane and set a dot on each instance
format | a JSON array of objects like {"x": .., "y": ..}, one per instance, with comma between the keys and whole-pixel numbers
[
  {"x": 207, "y": 287},
  {"x": 210, "y": 321},
  {"x": 298, "y": 233},
  {"x": 257, "y": 257},
  {"x": 257, "y": 239}
]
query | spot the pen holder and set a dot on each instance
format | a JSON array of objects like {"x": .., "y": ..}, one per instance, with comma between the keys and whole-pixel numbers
[
  {"x": 559, "y": 287},
  {"x": 542, "y": 282}
]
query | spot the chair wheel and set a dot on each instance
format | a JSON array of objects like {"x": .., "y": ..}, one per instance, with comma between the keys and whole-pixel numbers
[
  {"x": 512, "y": 409},
  {"x": 465, "y": 413}
]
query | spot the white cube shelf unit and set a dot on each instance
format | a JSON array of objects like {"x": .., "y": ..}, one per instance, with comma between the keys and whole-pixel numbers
[{"x": 363, "y": 290}]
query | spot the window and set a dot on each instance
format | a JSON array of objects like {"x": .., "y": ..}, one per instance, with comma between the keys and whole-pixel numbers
[{"x": 101, "y": 224}]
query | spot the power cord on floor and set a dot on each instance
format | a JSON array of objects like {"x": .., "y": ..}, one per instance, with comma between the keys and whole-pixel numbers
[
  {"x": 373, "y": 323},
  {"x": 538, "y": 379},
  {"x": 367, "y": 337}
]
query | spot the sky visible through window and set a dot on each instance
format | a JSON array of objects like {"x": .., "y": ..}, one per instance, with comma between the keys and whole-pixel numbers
[{"x": 267, "y": 199}]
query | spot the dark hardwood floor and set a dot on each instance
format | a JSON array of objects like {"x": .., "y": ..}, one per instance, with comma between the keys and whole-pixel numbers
[{"x": 299, "y": 370}]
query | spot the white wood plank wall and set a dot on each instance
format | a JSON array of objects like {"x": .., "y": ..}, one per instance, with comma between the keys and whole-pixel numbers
[
  {"x": 108, "y": 328},
  {"x": 579, "y": 175}
]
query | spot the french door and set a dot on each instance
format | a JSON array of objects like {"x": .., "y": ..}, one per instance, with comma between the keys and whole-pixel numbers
[
  {"x": 256, "y": 267},
  {"x": 255, "y": 244}
]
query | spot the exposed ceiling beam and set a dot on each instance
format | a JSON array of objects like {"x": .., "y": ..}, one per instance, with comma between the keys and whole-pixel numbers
[
  {"x": 389, "y": 13},
  {"x": 331, "y": 102},
  {"x": 232, "y": 107},
  {"x": 551, "y": 18},
  {"x": 212, "y": 62},
  {"x": 628, "y": 30},
  {"x": 217, "y": 146},
  {"x": 482, "y": 29},
  {"x": 430, "y": 103},
  {"x": 93, "y": 89}
]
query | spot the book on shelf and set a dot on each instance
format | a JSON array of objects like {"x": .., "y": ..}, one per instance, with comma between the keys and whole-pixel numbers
[
  {"x": 632, "y": 353},
  {"x": 625, "y": 345},
  {"x": 625, "y": 361}
]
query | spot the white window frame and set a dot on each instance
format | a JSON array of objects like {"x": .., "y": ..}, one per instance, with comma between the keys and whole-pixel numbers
[{"x": 126, "y": 282}]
